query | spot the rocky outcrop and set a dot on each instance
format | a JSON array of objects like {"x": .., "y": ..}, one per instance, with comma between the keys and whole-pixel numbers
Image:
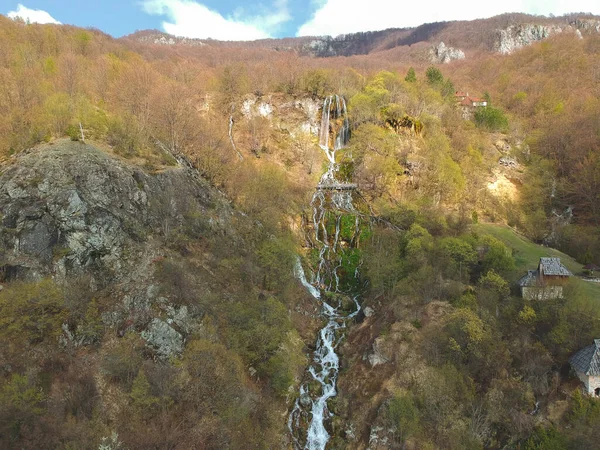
[
  {"x": 69, "y": 206},
  {"x": 298, "y": 116},
  {"x": 165, "y": 339},
  {"x": 586, "y": 25},
  {"x": 441, "y": 54},
  {"x": 517, "y": 36},
  {"x": 70, "y": 210},
  {"x": 159, "y": 38}
]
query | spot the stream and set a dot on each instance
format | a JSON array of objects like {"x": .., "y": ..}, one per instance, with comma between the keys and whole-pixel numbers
[{"x": 336, "y": 229}]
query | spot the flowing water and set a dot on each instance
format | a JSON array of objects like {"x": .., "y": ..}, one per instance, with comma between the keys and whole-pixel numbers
[
  {"x": 336, "y": 229},
  {"x": 230, "y": 134}
]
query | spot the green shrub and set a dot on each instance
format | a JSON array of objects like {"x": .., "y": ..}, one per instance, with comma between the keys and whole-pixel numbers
[
  {"x": 490, "y": 119},
  {"x": 73, "y": 132},
  {"x": 31, "y": 313}
]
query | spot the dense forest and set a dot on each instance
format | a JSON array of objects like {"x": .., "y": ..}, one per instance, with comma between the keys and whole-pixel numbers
[{"x": 173, "y": 186}]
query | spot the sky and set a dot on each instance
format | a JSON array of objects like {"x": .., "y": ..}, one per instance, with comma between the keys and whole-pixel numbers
[{"x": 243, "y": 20}]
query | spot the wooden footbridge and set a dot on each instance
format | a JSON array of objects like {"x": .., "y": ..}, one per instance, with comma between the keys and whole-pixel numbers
[{"x": 337, "y": 186}]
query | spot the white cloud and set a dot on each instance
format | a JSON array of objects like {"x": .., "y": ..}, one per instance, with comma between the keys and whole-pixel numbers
[
  {"x": 32, "y": 15},
  {"x": 191, "y": 19},
  {"x": 336, "y": 17}
]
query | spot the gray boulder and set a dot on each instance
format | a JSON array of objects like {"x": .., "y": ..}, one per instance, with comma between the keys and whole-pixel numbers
[{"x": 441, "y": 54}]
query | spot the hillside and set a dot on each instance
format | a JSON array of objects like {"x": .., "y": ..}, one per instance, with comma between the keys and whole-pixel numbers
[
  {"x": 527, "y": 255},
  {"x": 246, "y": 245},
  {"x": 92, "y": 243},
  {"x": 503, "y": 34}
]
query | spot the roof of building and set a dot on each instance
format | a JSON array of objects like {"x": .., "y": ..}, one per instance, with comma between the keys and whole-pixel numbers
[
  {"x": 530, "y": 279},
  {"x": 587, "y": 360},
  {"x": 470, "y": 101},
  {"x": 553, "y": 266}
]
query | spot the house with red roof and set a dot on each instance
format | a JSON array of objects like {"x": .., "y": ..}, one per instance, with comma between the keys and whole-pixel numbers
[{"x": 466, "y": 100}]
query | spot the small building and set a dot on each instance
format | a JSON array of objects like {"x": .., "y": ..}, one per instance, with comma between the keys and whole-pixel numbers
[
  {"x": 591, "y": 268},
  {"x": 546, "y": 282},
  {"x": 465, "y": 100},
  {"x": 473, "y": 102},
  {"x": 586, "y": 364},
  {"x": 467, "y": 104}
]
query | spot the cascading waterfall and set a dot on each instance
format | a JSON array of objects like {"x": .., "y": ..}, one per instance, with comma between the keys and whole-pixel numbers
[
  {"x": 332, "y": 200},
  {"x": 230, "y": 133}
]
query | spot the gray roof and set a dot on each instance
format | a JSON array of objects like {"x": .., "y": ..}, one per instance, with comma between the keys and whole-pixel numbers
[
  {"x": 587, "y": 360},
  {"x": 531, "y": 279},
  {"x": 553, "y": 266}
]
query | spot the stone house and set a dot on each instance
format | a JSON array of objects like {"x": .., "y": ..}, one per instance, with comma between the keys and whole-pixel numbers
[
  {"x": 468, "y": 104},
  {"x": 473, "y": 102},
  {"x": 586, "y": 364},
  {"x": 546, "y": 282},
  {"x": 465, "y": 100}
]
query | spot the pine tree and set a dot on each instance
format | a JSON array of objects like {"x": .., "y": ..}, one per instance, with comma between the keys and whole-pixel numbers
[
  {"x": 434, "y": 76},
  {"x": 141, "y": 395}
]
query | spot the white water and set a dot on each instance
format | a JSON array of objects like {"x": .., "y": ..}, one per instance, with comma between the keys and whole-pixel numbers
[
  {"x": 325, "y": 367},
  {"x": 230, "y": 133},
  {"x": 300, "y": 275}
]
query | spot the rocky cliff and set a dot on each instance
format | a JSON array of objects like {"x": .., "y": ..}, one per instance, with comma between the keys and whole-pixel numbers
[
  {"x": 442, "y": 54},
  {"x": 70, "y": 210},
  {"x": 517, "y": 36}
]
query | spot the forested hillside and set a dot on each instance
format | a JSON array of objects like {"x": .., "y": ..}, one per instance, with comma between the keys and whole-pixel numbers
[{"x": 155, "y": 199}]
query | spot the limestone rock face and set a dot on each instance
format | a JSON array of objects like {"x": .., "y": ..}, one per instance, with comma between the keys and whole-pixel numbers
[
  {"x": 166, "y": 340},
  {"x": 71, "y": 211},
  {"x": 442, "y": 54},
  {"x": 69, "y": 207},
  {"x": 300, "y": 116},
  {"x": 380, "y": 354},
  {"x": 518, "y": 36},
  {"x": 586, "y": 25}
]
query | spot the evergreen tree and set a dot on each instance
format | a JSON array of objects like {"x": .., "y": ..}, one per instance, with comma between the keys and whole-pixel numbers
[
  {"x": 141, "y": 394},
  {"x": 411, "y": 76},
  {"x": 434, "y": 76}
]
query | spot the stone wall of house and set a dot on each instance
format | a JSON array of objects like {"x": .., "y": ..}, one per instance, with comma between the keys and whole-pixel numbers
[
  {"x": 591, "y": 383},
  {"x": 541, "y": 293}
]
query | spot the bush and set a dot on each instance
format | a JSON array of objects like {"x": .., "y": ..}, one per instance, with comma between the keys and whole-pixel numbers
[
  {"x": 73, "y": 132},
  {"x": 121, "y": 363},
  {"x": 257, "y": 328},
  {"x": 20, "y": 403},
  {"x": 402, "y": 417},
  {"x": 31, "y": 313},
  {"x": 491, "y": 119}
]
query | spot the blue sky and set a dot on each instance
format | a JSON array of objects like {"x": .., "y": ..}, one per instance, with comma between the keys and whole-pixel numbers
[{"x": 242, "y": 20}]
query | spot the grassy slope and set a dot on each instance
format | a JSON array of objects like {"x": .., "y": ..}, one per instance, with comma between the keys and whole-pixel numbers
[{"x": 527, "y": 254}]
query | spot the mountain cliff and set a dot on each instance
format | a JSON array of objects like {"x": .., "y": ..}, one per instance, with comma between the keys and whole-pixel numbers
[{"x": 503, "y": 34}]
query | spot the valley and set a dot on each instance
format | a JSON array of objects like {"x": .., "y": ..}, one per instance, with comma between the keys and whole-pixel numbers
[{"x": 305, "y": 243}]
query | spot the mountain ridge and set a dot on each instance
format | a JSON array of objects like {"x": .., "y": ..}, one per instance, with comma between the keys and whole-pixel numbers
[{"x": 469, "y": 36}]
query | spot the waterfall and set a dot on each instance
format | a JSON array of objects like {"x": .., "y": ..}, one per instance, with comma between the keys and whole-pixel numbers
[
  {"x": 329, "y": 204},
  {"x": 230, "y": 133},
  {"x": 302, "y": 277}
]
